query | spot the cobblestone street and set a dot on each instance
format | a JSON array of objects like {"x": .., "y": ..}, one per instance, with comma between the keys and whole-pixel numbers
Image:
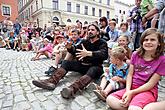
[{"x": 18, "y": 93}]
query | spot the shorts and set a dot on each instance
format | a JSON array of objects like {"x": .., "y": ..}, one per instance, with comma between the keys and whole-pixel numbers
[{"x": 140, "y": 99}]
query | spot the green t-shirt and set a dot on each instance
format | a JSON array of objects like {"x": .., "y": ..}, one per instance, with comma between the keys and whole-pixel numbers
[{"x": 145, "y": 5}]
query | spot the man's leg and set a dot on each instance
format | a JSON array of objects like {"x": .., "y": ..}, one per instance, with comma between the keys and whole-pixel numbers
[
  {"x": 92, "y": 73},
  {"x": 51, "y": 83},
  {"x": 137, "y": 41}
]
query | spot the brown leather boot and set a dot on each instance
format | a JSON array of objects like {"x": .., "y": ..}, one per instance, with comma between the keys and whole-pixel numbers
[
  {"x": 52, "y": 81},
  {"x": 77, "y": 85}
]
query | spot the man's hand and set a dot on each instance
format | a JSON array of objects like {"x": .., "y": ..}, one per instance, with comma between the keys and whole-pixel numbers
[
  {"x": 83, "y": 53},
  {"x": 102, "y": 31},
  {"x": 68, "y": 45},
  {"x": 144, "y": 20}
]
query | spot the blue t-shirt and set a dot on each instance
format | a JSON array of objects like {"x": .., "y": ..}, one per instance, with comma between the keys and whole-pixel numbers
[{"x": 114, "y": 71}]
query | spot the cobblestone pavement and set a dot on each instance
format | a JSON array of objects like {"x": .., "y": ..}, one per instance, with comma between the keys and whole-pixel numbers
[{"x": 18, "y": 93}]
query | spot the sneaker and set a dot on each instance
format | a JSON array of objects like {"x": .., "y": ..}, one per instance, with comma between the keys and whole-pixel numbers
[
  {"x": 100, "y": 94},
  {"x": 18, "y": 49},
  {"x": 50, "y": 71},
  {"x": 7, "y": 48}
]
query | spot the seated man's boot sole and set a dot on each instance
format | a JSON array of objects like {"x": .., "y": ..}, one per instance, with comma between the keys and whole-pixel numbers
[
  {"x": 66, "y": 93},
  {"x": 43, "y": 85}
]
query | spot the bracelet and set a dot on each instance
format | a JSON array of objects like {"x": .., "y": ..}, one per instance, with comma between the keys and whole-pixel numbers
[{"x": 145, "y": 18}]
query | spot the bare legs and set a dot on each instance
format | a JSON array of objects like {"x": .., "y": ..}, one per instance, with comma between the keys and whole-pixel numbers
[
  {"x": 58, "y": 58},
  {"x": 155, "y": 106},
  {"x": 114, "y": 103},
  {"x": 39, "y": 54}
]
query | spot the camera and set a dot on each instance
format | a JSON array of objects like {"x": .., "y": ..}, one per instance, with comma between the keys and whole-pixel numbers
[{"x": 137, "y": 15}]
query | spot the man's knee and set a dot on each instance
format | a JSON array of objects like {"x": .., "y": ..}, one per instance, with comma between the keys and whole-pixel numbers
[
  {"x": 66, "y": 64},
  {"x": 95, "y": 72}
]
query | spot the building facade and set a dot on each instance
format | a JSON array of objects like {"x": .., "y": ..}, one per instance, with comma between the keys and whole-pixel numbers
[
  {"x": 8, "y": 9},
  {"x": 63, "y": 12},
  {"x": 121, "y": 12}
]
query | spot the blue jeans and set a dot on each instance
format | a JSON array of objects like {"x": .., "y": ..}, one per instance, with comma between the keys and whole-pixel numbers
[{"x": 137, "y": 41}]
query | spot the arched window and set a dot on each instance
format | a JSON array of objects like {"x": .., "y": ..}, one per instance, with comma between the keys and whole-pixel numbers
[
  {"x": 55, "y": 19},
  {"x": 68, "y": 20}
]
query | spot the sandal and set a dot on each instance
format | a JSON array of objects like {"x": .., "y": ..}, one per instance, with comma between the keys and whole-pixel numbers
[
  {"x": 33, "y": 59},
  {"x": 100, "y": 94},
  {"x": 94, "y": 86}
]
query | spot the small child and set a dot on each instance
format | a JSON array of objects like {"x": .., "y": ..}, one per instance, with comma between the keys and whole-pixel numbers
[
  {"x": 59, "y": 50},
  {"x": 36, "y": 42},
  {"x": 24, "y": 40},
  {"x": 46, "y": 50},
  {"x": 2, "y": 42},
  {"x": 113, "y": 79},
  {"x": 123, "y": 41}
]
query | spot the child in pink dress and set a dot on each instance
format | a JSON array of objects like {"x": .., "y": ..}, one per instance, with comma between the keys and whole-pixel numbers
[
  {"x": 146, "y": 66},
  {"x": 46, "y": 50}
]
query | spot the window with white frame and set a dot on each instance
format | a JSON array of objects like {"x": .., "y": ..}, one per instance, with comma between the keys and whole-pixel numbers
[
  {"x": 86, "y": 10},
  {"x": 55, "y": 4},
  {"x": 36, "y": 4},
  {"x": 100, "y": 12},
  {"x": 93, "y": 11},
  {"x": 21, "y": 3},
  {"x": 108, "y": 2},
  {"x": 6, "y": 10},
  {"x": 31, "y": 8},
  {"x": 68, "y": 6},
  {"x": 77, "y": 8},
  {"x": 29, "y": 12},
  {"x": 108, "y": 14}
]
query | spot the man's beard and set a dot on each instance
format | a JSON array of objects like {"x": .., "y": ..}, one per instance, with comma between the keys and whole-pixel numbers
[{"x": 91, "y": 36}]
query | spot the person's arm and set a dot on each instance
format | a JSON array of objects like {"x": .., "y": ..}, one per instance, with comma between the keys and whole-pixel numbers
[
  {"x": 46, "y": 48},
  {"x": 72, "y": 48},
  {"x": 148, "y": 15},
  {"x": 126, "y": 98},
  {"x": 4, "y": 43},
  {"x": 149, "y": 85},
  {"x": 119, "y": 79},
  {"x": 83, "y": 53},
  {"x": 56, "y": 49},
  {"x": 129, "y": 77}
]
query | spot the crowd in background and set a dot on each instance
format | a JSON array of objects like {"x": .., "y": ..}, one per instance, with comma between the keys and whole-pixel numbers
[{"x": 51, "y": 41}]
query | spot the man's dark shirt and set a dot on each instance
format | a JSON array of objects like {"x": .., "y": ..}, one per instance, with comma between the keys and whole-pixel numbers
[{"x": 99, "y": 51}]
